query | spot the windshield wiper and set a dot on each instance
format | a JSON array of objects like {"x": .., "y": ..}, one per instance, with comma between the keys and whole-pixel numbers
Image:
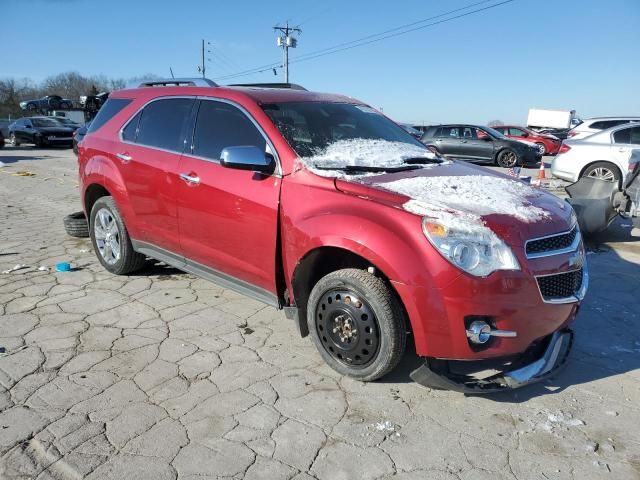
[
  {"x": 369, "y": 169},
  {"x": 421, "y": 160}
]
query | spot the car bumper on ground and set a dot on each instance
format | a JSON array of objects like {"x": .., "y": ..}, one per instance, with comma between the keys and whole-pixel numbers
[{"x": 539, "y": 362}]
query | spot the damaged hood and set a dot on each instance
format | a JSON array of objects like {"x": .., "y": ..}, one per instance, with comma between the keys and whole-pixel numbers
[{"x": 467, "y": 197}]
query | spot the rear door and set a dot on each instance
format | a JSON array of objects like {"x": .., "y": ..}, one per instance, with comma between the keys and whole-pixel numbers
[
  {"x": 151, "y": 145},
  {"x": 624, "y": 141},
  {"x": 228, "y": 218},
  {"x": 448, "y": 141}
]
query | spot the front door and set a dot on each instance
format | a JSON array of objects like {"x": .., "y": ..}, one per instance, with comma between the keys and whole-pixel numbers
[
  {"x": 476, "y": 145},
  {"x": 228, "y": 218},
  {"x": 624, "y": 141}
]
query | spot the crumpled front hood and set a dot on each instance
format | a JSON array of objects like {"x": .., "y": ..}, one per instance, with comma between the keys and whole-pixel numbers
[{"x": 473, "y": 197}]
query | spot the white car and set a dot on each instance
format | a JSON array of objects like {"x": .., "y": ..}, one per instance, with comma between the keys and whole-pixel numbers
[
  {"x": 591, "y": 126},
  {"x": 603, "y": 155}
]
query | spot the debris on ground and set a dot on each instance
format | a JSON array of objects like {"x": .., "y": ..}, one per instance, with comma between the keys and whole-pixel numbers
[
  {"x": 42, "y": 268},
  {"x": 63, "y": 267},
  {"x": 385, "y": 426},
  {"x": 5, "y": 353},
  {"x": 17, "y": 267}
]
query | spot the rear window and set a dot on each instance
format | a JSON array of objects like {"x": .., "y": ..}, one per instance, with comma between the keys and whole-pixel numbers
[
  {"x": 605, "y": 124},
  {"x": 112, "y": 107},
  {"x": 627, "y": 135},
  {"x": 163, "y": 123}
]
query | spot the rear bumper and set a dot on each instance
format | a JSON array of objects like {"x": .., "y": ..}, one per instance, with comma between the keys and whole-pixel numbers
[{"x": 539, "y": 362}]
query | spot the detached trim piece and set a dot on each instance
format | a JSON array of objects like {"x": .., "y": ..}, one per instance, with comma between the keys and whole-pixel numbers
[
  {"x": 219, "y": 278},
  {"x": 550, "y": 362}
]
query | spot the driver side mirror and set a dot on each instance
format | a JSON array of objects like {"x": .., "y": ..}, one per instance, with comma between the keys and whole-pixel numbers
[
  {"x": 487, "y": 138},
  {"x": 248, "y": 158},
  {"x": 28, "y": 126}
]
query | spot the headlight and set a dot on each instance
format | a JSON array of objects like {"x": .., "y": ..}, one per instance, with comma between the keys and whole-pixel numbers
[{"x": 477, "y": 253}]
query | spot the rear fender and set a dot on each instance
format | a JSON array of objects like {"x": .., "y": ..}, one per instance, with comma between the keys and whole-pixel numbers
[{"x": 100, "y": 170}]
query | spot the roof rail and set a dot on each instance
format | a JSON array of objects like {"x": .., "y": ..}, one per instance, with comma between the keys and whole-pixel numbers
[
  {"x": 292, "y": 86},
  {"x": 189, "y": 82}
]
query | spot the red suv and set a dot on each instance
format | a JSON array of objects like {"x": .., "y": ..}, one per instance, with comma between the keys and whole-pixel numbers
[
  {"x": 547, "y": 144},
  {"x": 320, "y": 205}
]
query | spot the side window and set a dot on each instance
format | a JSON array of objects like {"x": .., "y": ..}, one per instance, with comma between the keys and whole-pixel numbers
[
  {"x": 220, "y": 125},
  {"x": 480, "y": 133},
  {"x": 604, "y": 124},
  {"x": 502, "y": 130},
  {"x": 627, "y": 136},
  {"x": 130, "y": 132},
  {"x": 449, "y": 132},
  {"x": 163, "y": 123},
  {"x": 112, "y": 107},
  {"x": 516, "y": 132},
  {"x": 468, "y": 132}
]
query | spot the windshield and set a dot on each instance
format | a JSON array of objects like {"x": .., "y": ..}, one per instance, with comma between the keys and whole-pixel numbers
[
  {"x": 45, "y": 122},
  {"x": 312, "y": 127}
]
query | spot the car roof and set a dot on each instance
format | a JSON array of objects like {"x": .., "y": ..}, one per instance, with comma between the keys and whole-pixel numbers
[
  {"x": 622, "y": 117},
  {"x": 257, "y": 94}
]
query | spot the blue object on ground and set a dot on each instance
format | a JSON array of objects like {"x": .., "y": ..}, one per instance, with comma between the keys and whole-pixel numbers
[{"x": 63, "y": 267}]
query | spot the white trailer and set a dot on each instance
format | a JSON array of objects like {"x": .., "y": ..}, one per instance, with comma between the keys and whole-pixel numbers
[{"x": 539, "y": 118}]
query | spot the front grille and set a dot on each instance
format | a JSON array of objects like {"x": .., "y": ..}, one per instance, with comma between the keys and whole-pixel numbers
[
  {"x": 562, "y": 285},
  {"x": 551, "y": 243}
]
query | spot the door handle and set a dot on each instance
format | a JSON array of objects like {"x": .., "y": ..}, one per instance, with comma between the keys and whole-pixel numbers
[
  {"x": 194, "y": 179},
  {"x": 622, "y": 149},
  {"x": 124, "y": 157}
]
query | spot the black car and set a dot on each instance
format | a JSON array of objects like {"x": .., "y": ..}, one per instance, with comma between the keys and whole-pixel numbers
[
  {"x": 78, "y": 135},
  {"x": 40, "y": 131},
  {"x": 1, "y": 139},
  {"x": 50, "y": 102},
  {"x": 480, "y": 144}
]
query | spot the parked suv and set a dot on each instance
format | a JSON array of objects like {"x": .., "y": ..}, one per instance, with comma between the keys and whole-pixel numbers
[
  {"x": 480, "y": 144},
  {"x": 320, "y": 205},
  {"x": 596, "y": 125}
]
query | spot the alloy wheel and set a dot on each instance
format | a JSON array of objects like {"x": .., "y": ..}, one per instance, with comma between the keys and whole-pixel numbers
[
  {"x": 541, "y": 148},
  {"x": 347, "y": 327},
  {"x": 107, "y": 235},
  {"x": 603, "y": 173}
]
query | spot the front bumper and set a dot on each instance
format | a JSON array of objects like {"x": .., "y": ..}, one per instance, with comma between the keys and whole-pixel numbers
[{"x": 539, "y": 362}]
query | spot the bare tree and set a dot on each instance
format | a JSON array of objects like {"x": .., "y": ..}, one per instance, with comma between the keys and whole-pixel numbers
[{"x": 495, "y": 123}]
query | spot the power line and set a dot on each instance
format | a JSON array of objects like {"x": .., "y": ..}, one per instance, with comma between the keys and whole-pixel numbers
[{"x": 401, "y": 30}]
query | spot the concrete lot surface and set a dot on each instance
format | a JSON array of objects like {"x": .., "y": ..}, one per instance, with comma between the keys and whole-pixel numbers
[{"x": 161, "y": 375}]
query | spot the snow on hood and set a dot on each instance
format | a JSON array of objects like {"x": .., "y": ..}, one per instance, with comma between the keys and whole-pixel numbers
[
  {"x": 460, "y": 202},
  {"x": 363, "y": 152}
]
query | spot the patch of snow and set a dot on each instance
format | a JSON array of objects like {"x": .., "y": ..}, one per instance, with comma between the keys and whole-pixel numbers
[
  {"x": 385, "y": 426},
  {"x": 363, "y": 152},
  {"x": 444, "y": 197}
]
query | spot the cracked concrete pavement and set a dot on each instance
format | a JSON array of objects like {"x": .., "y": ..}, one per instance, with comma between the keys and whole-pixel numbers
[{"x": 161, "y": 375}]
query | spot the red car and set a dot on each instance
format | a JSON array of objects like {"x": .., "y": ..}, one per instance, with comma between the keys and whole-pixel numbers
[
  {"x": 320, "y": 205},
  {"x": 547, "y": 144}
]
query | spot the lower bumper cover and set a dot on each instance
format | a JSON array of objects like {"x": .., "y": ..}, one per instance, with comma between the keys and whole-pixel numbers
[{"x": 435, "y": 374}]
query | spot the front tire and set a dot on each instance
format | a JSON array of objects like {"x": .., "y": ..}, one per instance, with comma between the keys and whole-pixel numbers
[
  {"x": 507, "y": 158},
  {"x": 357, "y": 324},
  {"x": 13, "y": 140},
  {"x": 111, "y": 240}
]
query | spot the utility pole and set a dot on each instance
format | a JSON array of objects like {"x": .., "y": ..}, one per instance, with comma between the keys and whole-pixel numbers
[
  {"x": 286, "y": 41},
  {"x": 202, "y": 67}
]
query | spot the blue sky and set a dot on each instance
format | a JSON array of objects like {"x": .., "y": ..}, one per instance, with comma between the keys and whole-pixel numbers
[{"x": 564, "y": 54}]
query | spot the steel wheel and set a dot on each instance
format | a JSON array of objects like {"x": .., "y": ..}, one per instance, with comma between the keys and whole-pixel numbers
[
  {"x": 347, "y": 327},
  {"x": 603, "y": 173},
  {"x": 541, "y": 148},
  {"x": 107, "y": 236}
]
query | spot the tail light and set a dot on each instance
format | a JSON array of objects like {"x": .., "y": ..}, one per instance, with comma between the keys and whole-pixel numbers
[{"x": 564, "y": 148}]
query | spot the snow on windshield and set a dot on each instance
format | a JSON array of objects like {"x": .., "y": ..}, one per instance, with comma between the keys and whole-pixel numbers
[
  {"x": 363, "y": 152},
  {"x": 444, "y": 197}
]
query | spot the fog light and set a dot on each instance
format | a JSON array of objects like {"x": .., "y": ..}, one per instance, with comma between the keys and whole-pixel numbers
[{"x": 479, "y": 332}]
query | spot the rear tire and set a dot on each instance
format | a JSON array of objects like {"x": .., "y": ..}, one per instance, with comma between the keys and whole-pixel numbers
[
  {"x": 507, "y": 158},
  {"x": 13, "y": 140},
  {"x": 76, "y": 225},
  {"x": 111, "y": 240},
  {"x": 357, "y": 324},
  {"x": 541, "y": 148},
  {"x": 603, "y": 170}
]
